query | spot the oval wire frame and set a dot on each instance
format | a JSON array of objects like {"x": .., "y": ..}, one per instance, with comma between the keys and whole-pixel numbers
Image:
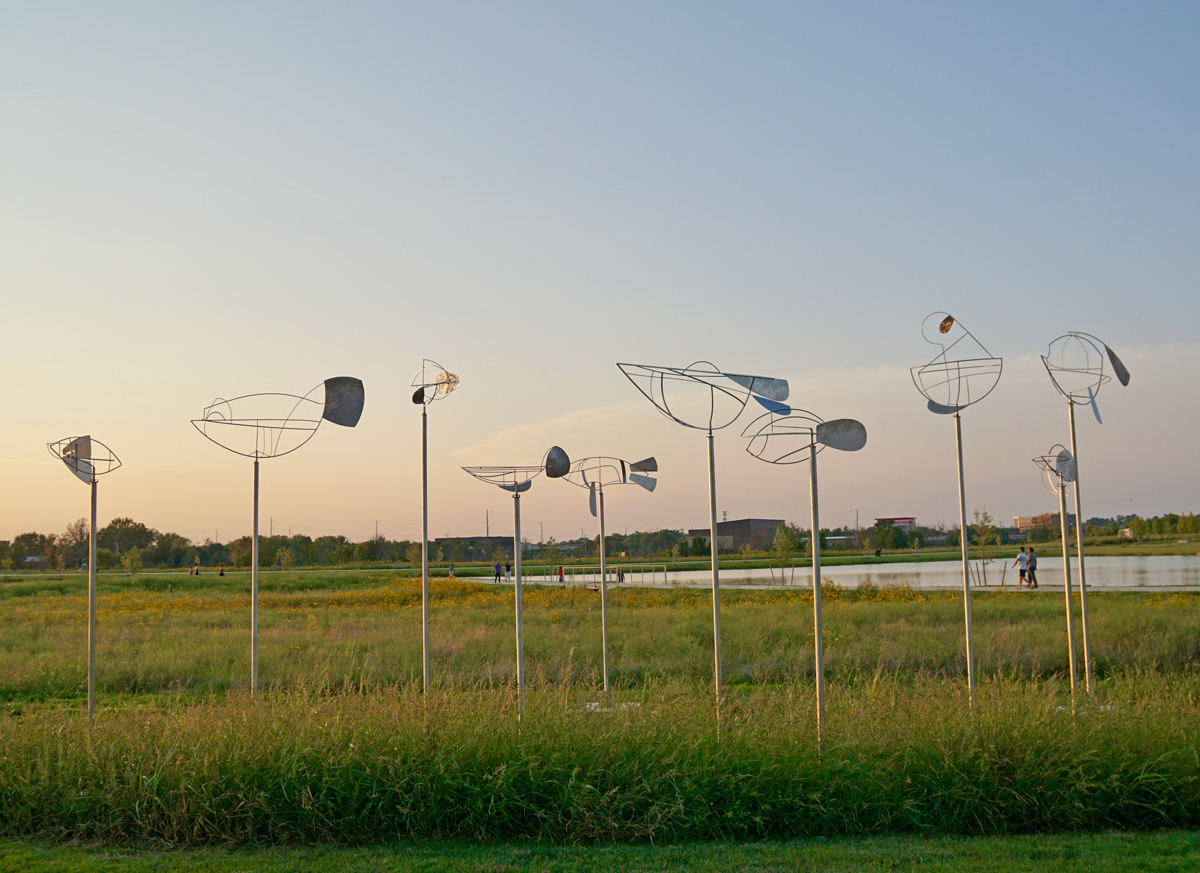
[
  {"x": 1095, "y": 375},
  {"x": 85, "y": 467},
  {"x": 702, "y": 373},
  {"x": 273, "y": 429},
  {"x": 955, "y": 376}
]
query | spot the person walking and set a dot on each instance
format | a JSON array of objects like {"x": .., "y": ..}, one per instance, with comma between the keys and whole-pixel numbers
[
  {"x": 560, "y": 577},
  {"x": 496, "y": 567},
  {"x": 1021, "y": 563},
  {"x": 507, "y": 571},
  {"x": 1031, "y": 573}
]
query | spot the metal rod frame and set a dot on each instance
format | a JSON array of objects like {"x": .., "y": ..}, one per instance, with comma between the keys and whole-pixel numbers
[
  {"x": 1087, "y": 654},
  {"x": 1066, "y": 546},
  {"x": 424, "y": 551},
  {"x": 91, "y": 703},
  {"x": 603, "y": 593},
  {"x": 517, "y": 593},
  {"x": 716, "y": 580},
  {"x": 818, "y": 627},
  {"x": 254, "y": 593},
  {"x": 964, "y": 540}
]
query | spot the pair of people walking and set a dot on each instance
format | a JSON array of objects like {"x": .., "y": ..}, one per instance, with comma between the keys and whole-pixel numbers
[{"x": 1027, "y": 565}]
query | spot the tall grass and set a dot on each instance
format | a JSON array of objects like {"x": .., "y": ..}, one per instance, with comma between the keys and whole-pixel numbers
[
  {"x": 195, "y": 641},
  {"x": 899, "y": 757}
]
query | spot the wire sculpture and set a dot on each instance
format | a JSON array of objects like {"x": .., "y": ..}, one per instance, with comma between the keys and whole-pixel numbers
[
  {"x": 87, "y": 459},
  {"x": 517, "y": 480},
  {"x": 433, "y": 382},
  {"x": 702, "y": 397},
  {"x": 594, "y": 474},
  {"x": 785, "y": 436},
  {"x": 441, "y": 385},
  {"x": 1058, "y": 467},
  {"x": 728, "y": 392},
  {"x": 1075, "y": 365},
  {"x": 960, "y": 375},
  {"x": 270, "y": 425}
]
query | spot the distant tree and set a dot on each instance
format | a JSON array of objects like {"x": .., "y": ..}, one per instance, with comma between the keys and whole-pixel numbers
[
  {"x": 73, "y": 542},
  {"x": 783, "y": 549},
  {"x": 413, "y": 554},
  {"x": 983, "y": 532},
  {"x": 125, "y": 533},
  {"x": 132, "y": 561},
  {"x": 552, "y": 554},
  {"x": 699, "y": 547},
  {"x": 285, "y": 558},
  {"x": 1137, "y": 526}
]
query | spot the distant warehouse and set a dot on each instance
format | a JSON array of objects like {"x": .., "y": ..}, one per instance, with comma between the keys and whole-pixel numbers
[{"x": 758, "y": 533}]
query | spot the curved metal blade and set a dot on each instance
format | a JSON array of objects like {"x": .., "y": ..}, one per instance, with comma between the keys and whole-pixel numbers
[
  {"x": 1118, "y": 367},
  {"x": 78, "y": 457},
  {"x": 592, "y": 500},
  {"x": 519, "y": 488},
  {"x": 557, "y": 463},
  {"x": 842, "y": 433},
  {"x": 1064, "y": 466},
  {"x": 940, "y": 409},
  {"x": 419, "y": 396},
  {"x": 1095, "y": 408},
  {"x": 647, "y": 482},
  {"x": 649, "y": 465},
  {"x": 343, "y": 400},
  {"x": 772, "y": 389}
]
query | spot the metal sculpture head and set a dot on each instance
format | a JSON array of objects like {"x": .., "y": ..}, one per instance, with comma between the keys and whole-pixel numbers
[
  {"x": 270, "y": 425},
  {"x": 602, "y": 472},
  {"x": 1058, "y": 466},
  {"x": 962, "y": 373},
  {"x": 555, "y": 464},
  {"x": 87, "y": 458},
  {"x": 433, "y": 382},
  {"x": 700, "y": 396},
  {"x": 784, "y": 435},
  {"x": 1076, "y": 367}
]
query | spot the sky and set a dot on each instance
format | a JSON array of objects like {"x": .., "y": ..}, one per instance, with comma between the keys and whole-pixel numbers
[{"x": 209, "y": 200}]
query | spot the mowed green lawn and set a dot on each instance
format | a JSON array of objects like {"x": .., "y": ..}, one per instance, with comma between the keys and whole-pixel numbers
[{"x": 1162, "y": 852}]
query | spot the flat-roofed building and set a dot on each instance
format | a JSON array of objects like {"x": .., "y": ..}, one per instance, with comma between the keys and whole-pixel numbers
[
  {"x": 758, "y": 533},
  {"x": 1025, "y": 523}
]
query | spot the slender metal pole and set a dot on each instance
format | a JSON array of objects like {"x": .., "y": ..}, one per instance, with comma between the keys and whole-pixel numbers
[
  {"x": 254, "y": 593},
  {"x": 424, "y": 551},
  {"x": 517, "y": 589},
  {"x": 1087, "y": 654},
  {"x": 965, "y": 539},
  {"x": 1062, "y": 520},
  {"x": 92, "y": 609},
  {"x": 815, "y": 539},
  {"x": 716, "y": 582},
  {"x": 603, "y": 594}
]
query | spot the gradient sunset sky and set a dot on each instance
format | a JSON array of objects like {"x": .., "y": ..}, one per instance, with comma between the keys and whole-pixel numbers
[{"x": 221, "y": 198}]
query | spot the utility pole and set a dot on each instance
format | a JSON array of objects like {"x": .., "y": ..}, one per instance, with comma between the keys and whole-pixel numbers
[
  {"x": 272, "y": 525},
  {"x": 487, "y": 524},
  {"x": 541, "y": 531}
]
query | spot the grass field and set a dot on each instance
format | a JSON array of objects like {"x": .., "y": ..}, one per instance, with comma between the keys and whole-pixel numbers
[
  {"x": 156, "y": 635},
  {"x": 344, "y": 748},
  {"x": 1162, "y": 852}
]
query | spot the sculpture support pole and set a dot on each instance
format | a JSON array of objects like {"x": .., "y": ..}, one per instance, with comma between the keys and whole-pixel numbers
[
  {"x": 424, "y": 551},
  {"x": 254, "y": 593},
  {"x": 1066, "y": 546},
  {"x": 964, "y": 537},
  {"x": 815, "y": 539},
  {"x": 92, "y": 609},
  {"x": 517, "y": 587},
  {"x": 1087, "y": 655},
  {"x": 603, "y": 594},
  {"x": 716, "y": 584}
]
